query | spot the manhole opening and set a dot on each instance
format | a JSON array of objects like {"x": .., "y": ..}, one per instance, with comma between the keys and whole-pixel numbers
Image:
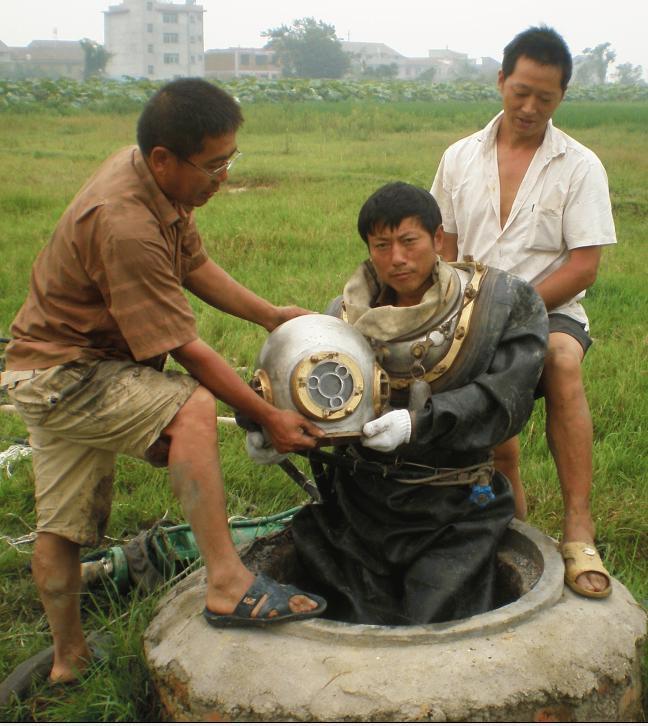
[{"x": 519, "y": 563}]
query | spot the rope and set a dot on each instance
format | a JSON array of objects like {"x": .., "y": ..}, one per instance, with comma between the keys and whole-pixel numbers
[{"x": 14, "y": 453}]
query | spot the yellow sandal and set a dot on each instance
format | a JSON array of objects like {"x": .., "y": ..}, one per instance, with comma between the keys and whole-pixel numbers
[{"x": 582, "y": 557}]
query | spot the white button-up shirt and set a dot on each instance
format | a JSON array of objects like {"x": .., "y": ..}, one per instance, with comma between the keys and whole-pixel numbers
[{"x": 563, "y": 203}]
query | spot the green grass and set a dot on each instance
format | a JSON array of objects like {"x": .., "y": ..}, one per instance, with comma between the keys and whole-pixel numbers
[{"x": 285, "y": 226}]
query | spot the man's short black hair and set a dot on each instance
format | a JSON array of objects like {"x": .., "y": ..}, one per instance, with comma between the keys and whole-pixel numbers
[
  {"x": 394, "y": 202},
  {"x": 182, "y": 113},
  {"x": 543, "y": 45}
]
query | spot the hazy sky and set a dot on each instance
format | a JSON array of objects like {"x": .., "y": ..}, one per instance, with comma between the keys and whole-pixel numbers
[{"x": 479, "y": 28}]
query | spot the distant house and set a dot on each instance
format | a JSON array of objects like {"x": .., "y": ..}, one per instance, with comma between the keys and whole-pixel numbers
[
  {"x": 370, "y": 56},
  {"x": 156, "y": 40},
  {"x": 449, "y": 64},
  {"x": 226, "y": 63},
  {"x": 412, "y": 68},
  {"x": 5, "y": 55},
  {"x": 445, "y": 54},
  {"x": 43, "y": 59},
  {"x": 487, "y": 68},
  {"x": 440, "y": 64}
]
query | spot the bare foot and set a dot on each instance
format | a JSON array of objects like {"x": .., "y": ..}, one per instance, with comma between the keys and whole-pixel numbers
[
  {"x": 68, "y": 667},
  {"x": 225, "y": 593},
  {"x": 593, "y": 581},
  {"x": 297, "y": 604},
  {"x": 224, "y": 599}
]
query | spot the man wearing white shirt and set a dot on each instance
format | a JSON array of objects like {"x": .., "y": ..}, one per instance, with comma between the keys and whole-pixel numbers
[{"x": 523, "y": 196}]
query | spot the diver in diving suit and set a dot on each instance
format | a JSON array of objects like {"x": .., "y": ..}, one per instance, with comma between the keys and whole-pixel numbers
[{"x": 413, "y": 514}]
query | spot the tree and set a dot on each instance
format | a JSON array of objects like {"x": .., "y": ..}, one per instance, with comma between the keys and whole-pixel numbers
[
  {"x": 629, "y": 75},
  {"x": 308, "y": 49},
  {"x": 593, "y": 66},
  {"x": 96, "y": 57}
]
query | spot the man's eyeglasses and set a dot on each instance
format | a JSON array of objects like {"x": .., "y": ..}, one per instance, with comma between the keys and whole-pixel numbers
[{"x": 213, "y": 173}]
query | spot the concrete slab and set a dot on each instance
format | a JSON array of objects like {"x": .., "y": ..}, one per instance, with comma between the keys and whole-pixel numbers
[{"x": 572, "y": 659}]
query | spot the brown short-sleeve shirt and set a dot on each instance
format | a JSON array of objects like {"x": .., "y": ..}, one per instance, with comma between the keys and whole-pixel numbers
[{"x": 109, "y": 282}]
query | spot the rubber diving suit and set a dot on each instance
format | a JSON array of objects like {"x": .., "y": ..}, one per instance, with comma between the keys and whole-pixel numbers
[{"x": 410, "y": 537}]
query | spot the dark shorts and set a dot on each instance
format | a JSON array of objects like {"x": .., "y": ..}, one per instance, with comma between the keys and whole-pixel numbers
[{"x": 559, "y": 323}]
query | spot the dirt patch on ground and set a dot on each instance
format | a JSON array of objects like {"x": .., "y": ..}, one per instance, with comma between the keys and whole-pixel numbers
[{"x": 250, "y": 185}]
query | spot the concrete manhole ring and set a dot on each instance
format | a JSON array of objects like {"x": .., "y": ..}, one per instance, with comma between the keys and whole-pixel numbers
[{"x": 549, "y": 655}]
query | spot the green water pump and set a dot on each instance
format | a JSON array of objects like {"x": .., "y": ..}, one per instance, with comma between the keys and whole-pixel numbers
[{"x": 165, "y": 551}]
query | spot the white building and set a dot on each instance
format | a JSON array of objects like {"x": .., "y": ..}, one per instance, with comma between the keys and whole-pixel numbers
[{"x": 155, "y": 40}]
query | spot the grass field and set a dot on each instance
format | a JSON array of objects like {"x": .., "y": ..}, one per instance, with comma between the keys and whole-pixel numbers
[{"x": 285, "y": 226}]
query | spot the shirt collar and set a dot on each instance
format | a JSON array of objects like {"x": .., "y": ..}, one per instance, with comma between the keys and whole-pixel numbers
[
  {"x": 553, "y": 144},
  {"x": 488, "y": 134},
  {"x": 165, "y": 210}
]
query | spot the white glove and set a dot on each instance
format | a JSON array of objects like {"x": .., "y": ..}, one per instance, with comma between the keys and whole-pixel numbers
[
  {"x": 388, "y": 432},
  {"x": 260, "y": 451}
]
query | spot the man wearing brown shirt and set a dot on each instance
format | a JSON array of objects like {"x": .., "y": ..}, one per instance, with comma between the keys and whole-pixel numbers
[{"x": 84, "y": 368}]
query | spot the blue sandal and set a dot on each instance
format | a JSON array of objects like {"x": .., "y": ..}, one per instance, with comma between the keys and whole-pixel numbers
[{"x": 274, "y": 609}]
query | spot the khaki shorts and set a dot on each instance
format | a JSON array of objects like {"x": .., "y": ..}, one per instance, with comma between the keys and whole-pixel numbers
[{"x": 80, "y": 415}]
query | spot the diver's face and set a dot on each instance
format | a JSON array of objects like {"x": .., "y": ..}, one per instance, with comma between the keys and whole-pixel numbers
[{"x": 404, "y": 258}]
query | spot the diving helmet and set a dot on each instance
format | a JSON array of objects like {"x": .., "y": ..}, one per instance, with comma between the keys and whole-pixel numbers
[
  {"x": 325, "y": 369},
  {"x": 418, "y": 342}
]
